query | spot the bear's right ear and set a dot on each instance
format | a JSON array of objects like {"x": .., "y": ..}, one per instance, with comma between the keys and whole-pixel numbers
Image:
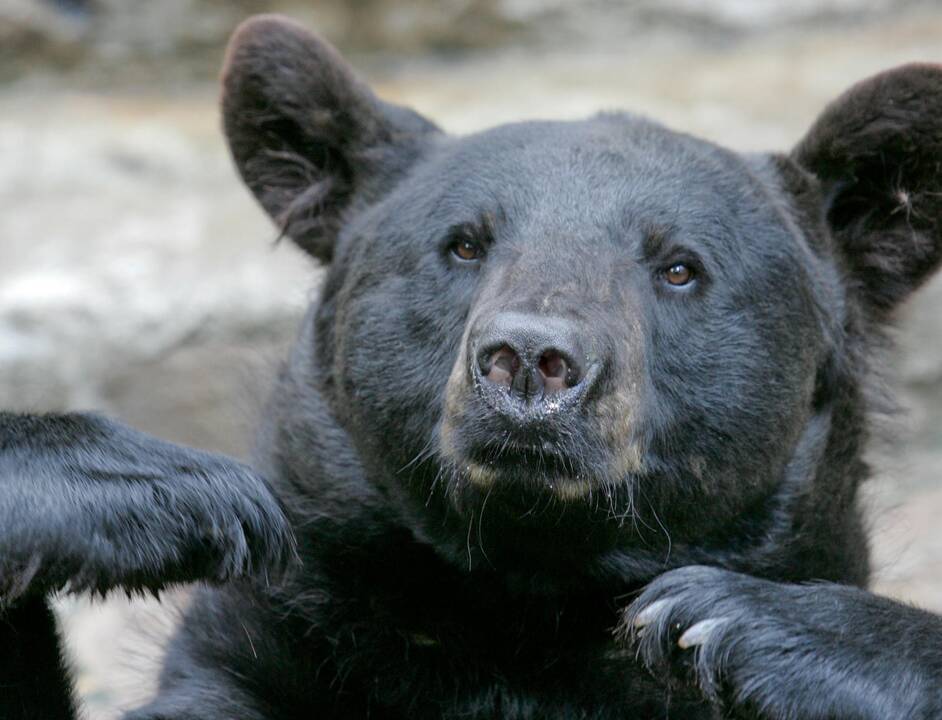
[{"x": 307, "y": 136}]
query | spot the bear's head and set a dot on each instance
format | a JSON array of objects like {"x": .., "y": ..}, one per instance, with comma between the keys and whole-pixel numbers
[{"x": 605, "y": 333}]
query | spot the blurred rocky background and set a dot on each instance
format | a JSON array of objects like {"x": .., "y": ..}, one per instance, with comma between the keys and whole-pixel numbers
[{"x": 138, "y": 277}]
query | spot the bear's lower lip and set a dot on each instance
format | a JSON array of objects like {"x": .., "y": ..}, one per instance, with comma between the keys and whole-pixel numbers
[
  {"x": 523, "y": 474},
  {"x": 527, "y": 461}
]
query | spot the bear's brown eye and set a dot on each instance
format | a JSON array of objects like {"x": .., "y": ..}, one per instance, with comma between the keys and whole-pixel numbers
[
  {"x": 467, "y": 250},
  {"x": 679, "y": 274}
]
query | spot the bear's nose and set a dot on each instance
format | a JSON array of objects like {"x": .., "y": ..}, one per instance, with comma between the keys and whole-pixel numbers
[{"x": 532, "y": 357}]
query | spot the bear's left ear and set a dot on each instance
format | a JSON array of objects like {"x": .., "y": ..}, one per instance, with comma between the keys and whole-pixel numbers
[
  {"x": 877, "y": 151},
  {"x": 310, "y": 138}
]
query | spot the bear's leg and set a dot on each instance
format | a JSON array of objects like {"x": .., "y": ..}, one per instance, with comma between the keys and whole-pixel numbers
[
  {"x": 89, "y": 504},
  {"x": 782, "y": 651},
  {"x": 33, "y": 673}
]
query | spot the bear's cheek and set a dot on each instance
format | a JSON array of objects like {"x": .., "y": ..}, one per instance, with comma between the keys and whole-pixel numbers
[
  {"x": 731, "y": 392},
  {"x": 397, "y": 340},
  {"x": 622, "y": 414}
]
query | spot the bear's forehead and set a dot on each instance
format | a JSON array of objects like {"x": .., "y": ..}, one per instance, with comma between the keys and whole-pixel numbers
[
  {"x": 615, "y": 149},
  {"x": 610, "y": 171}
]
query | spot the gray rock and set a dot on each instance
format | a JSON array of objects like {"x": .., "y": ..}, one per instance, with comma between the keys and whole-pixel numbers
[
  {"x": 138, "y": 276},
  {"x": 114, "y": 37}
]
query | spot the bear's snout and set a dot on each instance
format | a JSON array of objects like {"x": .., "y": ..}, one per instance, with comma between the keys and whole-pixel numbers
[{"x": 525, "y": 361}]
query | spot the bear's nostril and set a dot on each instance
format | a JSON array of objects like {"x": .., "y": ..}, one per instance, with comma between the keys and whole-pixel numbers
[
  {"x": 556, "y": 372},
  {"x": 553, "y": 365},
  {"x": 503, "y": 365}
]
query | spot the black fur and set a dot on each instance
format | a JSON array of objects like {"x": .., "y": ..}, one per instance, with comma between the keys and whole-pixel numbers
[
  {"x": 468, "y": 555},
  {"x": 775, "y": 650},
  {"x": 88, "y": 505}
]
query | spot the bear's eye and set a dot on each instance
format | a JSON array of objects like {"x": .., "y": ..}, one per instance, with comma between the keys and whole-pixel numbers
[
  {"x": 467, "y": 250},
  {"x": 678, "y": 274}
]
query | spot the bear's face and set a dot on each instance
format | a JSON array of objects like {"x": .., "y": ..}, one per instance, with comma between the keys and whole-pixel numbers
[
  {"x": 635, "y": 284},
  {"x": 603, "y": 316}
]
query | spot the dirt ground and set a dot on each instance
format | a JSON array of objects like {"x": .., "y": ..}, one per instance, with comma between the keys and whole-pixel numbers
[{"x": 92, "y": 170}]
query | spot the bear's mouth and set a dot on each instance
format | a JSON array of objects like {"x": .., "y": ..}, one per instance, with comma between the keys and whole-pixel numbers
[
  {"x": 527, "y": 461},
  {"x": 540, "y": 467}
]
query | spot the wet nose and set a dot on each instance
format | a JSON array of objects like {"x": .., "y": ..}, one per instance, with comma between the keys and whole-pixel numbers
[{"x": 532, "y": 357}]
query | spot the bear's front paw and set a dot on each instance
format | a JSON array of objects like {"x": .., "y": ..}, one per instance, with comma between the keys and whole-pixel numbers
[
  {"x": 89, "y": 504},
  {"x": 778, "y": 651}
]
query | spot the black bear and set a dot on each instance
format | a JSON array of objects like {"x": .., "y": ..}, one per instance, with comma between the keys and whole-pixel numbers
[{"x": 575, "y": 428}]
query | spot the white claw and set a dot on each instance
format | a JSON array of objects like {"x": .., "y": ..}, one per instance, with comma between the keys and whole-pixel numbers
[
  {"x": 699, "y": 633},
  {"x": 650, "y": 613}
]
